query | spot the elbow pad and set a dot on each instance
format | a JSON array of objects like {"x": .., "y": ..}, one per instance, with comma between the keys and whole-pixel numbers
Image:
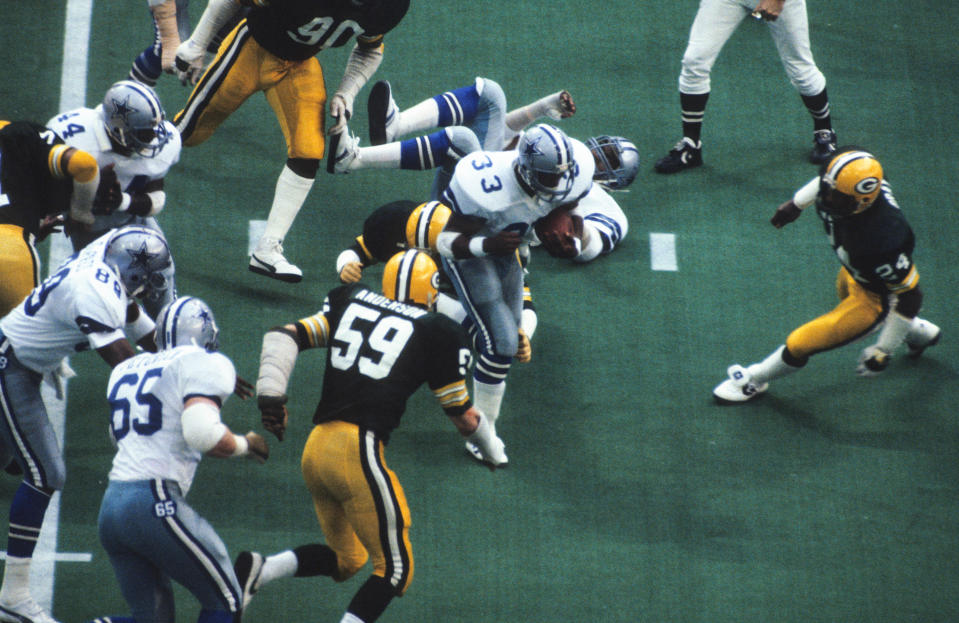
[{"x": 202, "y": 428}]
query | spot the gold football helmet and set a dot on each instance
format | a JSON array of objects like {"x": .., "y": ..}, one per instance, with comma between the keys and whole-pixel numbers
[
  {"x": 411, "y": 276},
  {"x": 850, "y": 183},
  {"x": 425, "y": 223}
]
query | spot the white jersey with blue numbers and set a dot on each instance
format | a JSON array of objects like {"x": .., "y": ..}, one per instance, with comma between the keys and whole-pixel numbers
[
  {"x": 484, "y": 184},
  {"x": 146, "y": 395},
  {"x": 80, "y": 306},
  {"x": 83, "y": 128}
]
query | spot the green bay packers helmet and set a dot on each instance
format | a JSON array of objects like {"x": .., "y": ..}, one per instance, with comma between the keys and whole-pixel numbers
[
  {"x": 425, "y": 224},
  {"x": 850, "y": 183},
  {"x": 411, "y": 276}
]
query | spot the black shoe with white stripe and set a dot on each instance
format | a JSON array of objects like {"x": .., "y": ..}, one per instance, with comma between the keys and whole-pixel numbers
[{"x": 685, "y": 155}]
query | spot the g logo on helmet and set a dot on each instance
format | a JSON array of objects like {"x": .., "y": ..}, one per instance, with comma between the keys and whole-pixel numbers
[{"x": 866, "y": 185}]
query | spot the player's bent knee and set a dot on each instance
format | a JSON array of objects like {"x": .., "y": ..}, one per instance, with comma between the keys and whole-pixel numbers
[{"x": 347, "y": 565}]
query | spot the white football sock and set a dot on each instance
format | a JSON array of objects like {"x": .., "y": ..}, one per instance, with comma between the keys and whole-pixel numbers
[
  {"x": 489, "y": 398},
  {"x": 291, "y": 192},
  {"x": 421, "y": 117},
  {"x": 349, "y": 617},
  {"x": 772, "y": 367},
  {"x": 385, "y": 156},
  {"x": 281, "y": 565},
  {"x": 16, "y": 580}
]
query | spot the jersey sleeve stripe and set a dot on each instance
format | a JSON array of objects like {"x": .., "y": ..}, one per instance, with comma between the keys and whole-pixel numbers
[
  {"x": 317, "y": 329},
  {"x": 908, "y": 283},
  {"x": 452, "y": 395},
  {"x": 55, "y": 161}
]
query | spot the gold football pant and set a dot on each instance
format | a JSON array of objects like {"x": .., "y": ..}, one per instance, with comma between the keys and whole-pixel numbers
[
  {"x": 294, "y": 89},
  {"x": 19, "y": 267},
  {"x": 858, "y": 312},
  {"x": 359, "y": 502}
]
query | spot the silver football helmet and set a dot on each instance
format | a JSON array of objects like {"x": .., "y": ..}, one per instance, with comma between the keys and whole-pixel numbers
[
  {"x": 617, "y": 161},
  {"x": 187, "y": 320},
  {"x": 545, "y": 162},
  {"x": 141, "y": 259},
  {"x": 134, "y": 118}
]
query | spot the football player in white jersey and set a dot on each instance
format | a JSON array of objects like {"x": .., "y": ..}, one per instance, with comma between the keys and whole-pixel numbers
[
  {"x": 495, "y": 198},
  {"x": 475, "y": 117},
  {"x": 165, "y": 417},
  {"x": 127, "y": 131},
  {"x": 86, "y": 304}
]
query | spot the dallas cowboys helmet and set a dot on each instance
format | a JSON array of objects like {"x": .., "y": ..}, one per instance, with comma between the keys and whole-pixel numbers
[
  {"x": 545, "y": 162},
  {"x": 187, "y": 320},
  {"x": 141, "y": 259},
  {"x": 134, "y": 118},
  {"x": 617, "y": 161}
]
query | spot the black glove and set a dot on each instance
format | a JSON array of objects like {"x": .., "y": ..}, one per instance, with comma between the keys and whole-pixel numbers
[{"x": 273, "y": 414}]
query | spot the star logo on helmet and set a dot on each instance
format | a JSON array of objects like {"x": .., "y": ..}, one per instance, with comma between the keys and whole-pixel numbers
[
  {"x": 142, "y": 257},
  {"x": 532, "y": 148},
  {"x": 122, "y": 109}
]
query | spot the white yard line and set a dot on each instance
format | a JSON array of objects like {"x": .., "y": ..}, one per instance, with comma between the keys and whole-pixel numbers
[{"x": 662, "y": 252}]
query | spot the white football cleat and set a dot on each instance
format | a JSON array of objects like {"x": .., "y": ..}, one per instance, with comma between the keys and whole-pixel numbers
[
  {"x": 922, "y": 334},
  {"x": 383, "y": 113},
  {"x": 344, "y": 152},
  {"x": 247, "y": 567},
  {"x": 267, "y": 259},
  {"x": 477, "y": 454},
  {"x": 739, "y": 387},
  {"x": 26, "y": 611}
]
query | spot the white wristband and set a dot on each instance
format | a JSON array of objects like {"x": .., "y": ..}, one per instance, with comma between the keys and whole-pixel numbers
[
  {"x": 476, "y": 246},
  {"x": 242, "y": 445},
  {"x": 345, "y": 258},
  {"x": 125, "y": 200},
  {"x": 141, "y": 327}
]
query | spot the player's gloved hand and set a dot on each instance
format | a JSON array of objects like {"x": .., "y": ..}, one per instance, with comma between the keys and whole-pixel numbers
[
  {"x": 273, "y": 414},
  {"x": 188, "y": 64},
  {"x": 259, "y": 451},
  {"x": 109, "y": 196},
  {"x": 563, "y": 245},
  {"x": 243, "y": 388},
  {"x": 503, "y": 243},
  {"x": 872, "y": 361},
  {"x": 351, "y": 272},
  {"x": 341, "y": 109},
  {"x": 524, "y": 351},
  {"x": 785, "y": 214}
]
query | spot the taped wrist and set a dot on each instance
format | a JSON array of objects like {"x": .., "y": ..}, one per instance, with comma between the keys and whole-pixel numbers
[
  {"x": 277, "y": 358},
  {"x": 202, "y": 428},
  {"x": 476, "y": 246},
  {"x": 362, "y": 64},
  {"x": 215, "y": 16},
  {"x": 242, "y": 445},
  {"x": 142, "y": 326},
  {"x": 345, "y": 258}
]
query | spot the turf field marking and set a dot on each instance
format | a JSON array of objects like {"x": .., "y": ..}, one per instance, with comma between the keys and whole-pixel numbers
[{"x": 662, "y": 252}]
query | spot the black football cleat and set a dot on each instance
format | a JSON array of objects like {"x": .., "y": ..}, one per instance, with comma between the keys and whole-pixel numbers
[
  {"x": 685, "y": 155},
  {"x": 824, "y": 146}
]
